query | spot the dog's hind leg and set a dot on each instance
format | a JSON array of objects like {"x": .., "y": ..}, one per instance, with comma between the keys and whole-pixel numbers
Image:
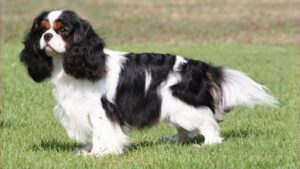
[
  {"x": 201, "y": 120},
  {"x": 188, "y": 118}
]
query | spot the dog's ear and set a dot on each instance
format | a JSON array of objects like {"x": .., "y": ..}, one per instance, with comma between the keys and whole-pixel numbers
[
  {"x": 39, "y": 65},
  {"x": 84, "y": 58}
]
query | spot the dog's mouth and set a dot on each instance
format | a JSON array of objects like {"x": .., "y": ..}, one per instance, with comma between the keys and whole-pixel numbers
[{"x": 50, "y": 49}]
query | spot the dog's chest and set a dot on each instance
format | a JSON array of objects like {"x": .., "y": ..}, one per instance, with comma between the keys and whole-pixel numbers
[{"x": 75, "y": 101}]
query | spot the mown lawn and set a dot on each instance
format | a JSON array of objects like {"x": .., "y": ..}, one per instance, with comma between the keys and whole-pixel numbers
[{"x": 257, "y": 138}]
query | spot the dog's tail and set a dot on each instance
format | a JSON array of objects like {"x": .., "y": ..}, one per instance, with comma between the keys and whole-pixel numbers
[{"x": 236, "y": 88}]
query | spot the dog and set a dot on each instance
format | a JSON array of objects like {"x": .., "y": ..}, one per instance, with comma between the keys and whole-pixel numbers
[{"x": 101, "y": 94}]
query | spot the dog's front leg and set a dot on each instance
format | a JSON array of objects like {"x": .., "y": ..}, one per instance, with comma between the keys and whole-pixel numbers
[{"x": 108, "y": 137}]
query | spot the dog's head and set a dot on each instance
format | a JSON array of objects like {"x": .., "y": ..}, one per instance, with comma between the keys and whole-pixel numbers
[{"x": 65, "y": 35}]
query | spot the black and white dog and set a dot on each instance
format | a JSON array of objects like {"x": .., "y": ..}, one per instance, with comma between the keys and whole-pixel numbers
[{"x": 99, "y": 92}]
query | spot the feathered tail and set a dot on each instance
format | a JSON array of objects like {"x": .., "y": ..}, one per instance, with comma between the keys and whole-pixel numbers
[{"x": 237, "y": 88}]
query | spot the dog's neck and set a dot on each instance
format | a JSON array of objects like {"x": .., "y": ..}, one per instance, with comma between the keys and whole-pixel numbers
[
  {"x": 57, "y": 71},
  {"x": 56, "y": 61}
]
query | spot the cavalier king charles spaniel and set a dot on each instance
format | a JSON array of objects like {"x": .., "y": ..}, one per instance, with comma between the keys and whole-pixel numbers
[{"x": 101, "y": 93}]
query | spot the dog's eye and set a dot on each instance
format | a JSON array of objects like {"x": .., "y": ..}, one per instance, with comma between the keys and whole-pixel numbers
[
  {"x": 43, "y": 29},
  {"x": 62, "y": 30}
]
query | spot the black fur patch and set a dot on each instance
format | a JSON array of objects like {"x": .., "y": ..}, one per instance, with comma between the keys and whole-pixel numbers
[
  {"x": 39, "y": 65},
  {"x": 112, "y": 112},
  {"x": 197, "y": 78},
  {"x": 137, "y": 107}
]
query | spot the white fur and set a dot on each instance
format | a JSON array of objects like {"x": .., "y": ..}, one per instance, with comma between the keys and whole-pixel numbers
[
  {"x": 239, "y": 89},
  {"x": 148, "y": 79},
  {"x": 114, "y": 65},
  {"x": 52, "y": 16},
  {"x": 179, "y": 61},
  {"x": 76, "y": 99}
]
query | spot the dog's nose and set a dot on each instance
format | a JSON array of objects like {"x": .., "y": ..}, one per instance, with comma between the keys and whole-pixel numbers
[{"x": 48, "y": 37}]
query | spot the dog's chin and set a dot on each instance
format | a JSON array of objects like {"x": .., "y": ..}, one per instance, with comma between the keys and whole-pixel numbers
[{"x": 50, "y": 51}]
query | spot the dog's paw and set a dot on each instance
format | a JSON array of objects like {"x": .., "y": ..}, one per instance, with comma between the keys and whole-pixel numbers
[
  {"x": 83, "y": 150},
  {"x": 99, "y": 153},
  {"x": 212, "y": 141},
  {"x": 87, "y": 154}
]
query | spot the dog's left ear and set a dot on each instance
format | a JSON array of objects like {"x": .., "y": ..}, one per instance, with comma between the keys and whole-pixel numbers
[{"x": 84, "y": 58}]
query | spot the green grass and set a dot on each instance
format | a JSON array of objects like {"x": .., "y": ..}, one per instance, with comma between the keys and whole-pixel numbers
[
  {"x": 256, "y": 37},
  {"x": 254, "y": 138}
]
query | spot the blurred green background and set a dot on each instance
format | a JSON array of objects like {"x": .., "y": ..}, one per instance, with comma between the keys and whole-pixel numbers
[{"x": 168, "y": 21}]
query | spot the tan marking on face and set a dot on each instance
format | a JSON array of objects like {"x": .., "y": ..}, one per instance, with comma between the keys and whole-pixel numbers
[
  {"x": 45, "y": 24},
  {"x": 57, "y": 25}
]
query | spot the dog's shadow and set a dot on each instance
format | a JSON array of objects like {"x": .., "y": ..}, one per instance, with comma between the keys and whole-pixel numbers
[
  {"x": 60, "y": 146},
  {"x": 199, "y": 139},
  {"x": 54, "y": 145},
  {"x": 138, "y": 145}
]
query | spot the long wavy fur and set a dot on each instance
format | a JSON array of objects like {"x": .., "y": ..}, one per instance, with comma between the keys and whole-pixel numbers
[
  {"x": 84, "y": 57},
  {"x": 39, "y": 65}
]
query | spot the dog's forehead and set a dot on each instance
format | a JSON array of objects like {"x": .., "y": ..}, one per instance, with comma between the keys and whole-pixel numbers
[{"x": 53, "y": 16}]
